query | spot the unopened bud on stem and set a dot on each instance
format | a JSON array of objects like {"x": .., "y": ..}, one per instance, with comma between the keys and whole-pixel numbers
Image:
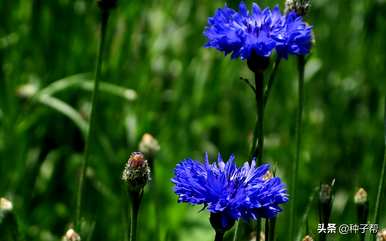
[
  {"x": 149, "y": 145},
  {"x": 5, "y": 205},
  {"x": 136, "y": 172},
  {"x": 360, "y": 196},
  {"x": 301, "y": 7},
  {"x": 308, "y": 238},
  {"x": 381, "y": 236},
  {"x": 71, "y": 235}
]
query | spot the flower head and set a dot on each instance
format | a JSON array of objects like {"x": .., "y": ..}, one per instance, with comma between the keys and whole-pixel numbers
[
  {"x": 295, "y": 36},
  {"x": 136, "y": 172},
  {"x": 259, "y": 32},
  {"x": 229, "y": 191}
]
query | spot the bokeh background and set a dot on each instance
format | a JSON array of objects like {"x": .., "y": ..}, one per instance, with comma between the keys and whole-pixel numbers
[{"x": 190, "y": 98}]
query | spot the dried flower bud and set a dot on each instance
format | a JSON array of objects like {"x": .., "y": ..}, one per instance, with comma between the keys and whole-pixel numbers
[
  {"x": 301, "y": 7},
  {"x": 308, "y": 238},
  {"x": 136, "y": 172},
  {"x": 360, "y": 196},
  {"x": 107, "y": 4},
  {"x": 325, "y": 204},
  {"x": 71, "y": 235},
  {"x": 252, "y": 236},
  {"x": 325, "y": 193},
  {"x": 381, "y": 236},
  {"x": 26, "y": 91},
  {"x": 149, "y": 145},
  {"x": 5, "y": 205}
]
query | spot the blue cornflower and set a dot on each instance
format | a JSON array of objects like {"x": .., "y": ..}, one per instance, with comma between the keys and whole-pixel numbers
[
  {"x": 259, "y": 32},
  {"x": 229, "y": 191},
  {"x": 295, "y": 36}
]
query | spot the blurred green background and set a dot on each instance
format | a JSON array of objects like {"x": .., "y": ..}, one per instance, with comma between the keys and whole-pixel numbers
[{"x": 190, "y": 98}]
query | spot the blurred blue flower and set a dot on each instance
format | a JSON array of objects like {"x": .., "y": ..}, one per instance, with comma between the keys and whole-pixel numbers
[
  {"x": 234, "y": 192},
  {"x": 295, "y": 36},
  {"x": 243, "y": 33}
]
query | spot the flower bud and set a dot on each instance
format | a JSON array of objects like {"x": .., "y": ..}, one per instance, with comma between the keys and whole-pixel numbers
[
  {"x": 381, "y": 236},
  {"x": 5, "y": 205},
  {"x": 71, "y": 235},
  {"x": 325, "y": 193},
  {"x": 136, "y": 172},
  {"x": 308, "y": 238},
  {"x": 360, "y": 196},
  {"x": 325, "y": 205},
  {"x": 26, "y": 91},
  {"x": 252, "y": 236},
  {"x": 149, "y": 145},
  {"x": 301, "y": 7}
]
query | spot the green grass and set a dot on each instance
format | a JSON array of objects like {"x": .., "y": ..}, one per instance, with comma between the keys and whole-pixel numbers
[{"x": 191, "y": 99}]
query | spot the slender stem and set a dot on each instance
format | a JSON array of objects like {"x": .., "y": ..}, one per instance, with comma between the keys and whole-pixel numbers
[
  {"x": 295, "y": 163},
  {"x": 136, "y": 197},
  {"x": 236, "y": 233},
  {"x": 381, "y": 178},
  {"x": 258, "y": 228},
  {"x": 219, "y": 236},
  {"x": 270, "y": 224},
  {"x": 271, "y": 80},
  {"x": 267, "y": 92},
  {"x": 91, "y": 130},
  {"x": 362, "y": 216},
  {"x": 259, "y": 94}
]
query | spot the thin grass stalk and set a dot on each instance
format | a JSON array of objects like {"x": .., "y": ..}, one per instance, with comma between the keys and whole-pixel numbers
[
  {"x": 92, "y": 128},
  {"x": 381, "y": 178},
  {"x": 295, "y": 163}
]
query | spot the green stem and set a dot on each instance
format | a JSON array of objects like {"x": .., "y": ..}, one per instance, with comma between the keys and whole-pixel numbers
[
  {"x": 267, "y": 92},
  {"x": 136, "y": 197},
  {"x": 236, "y": 233},
  {"x": 381, "y": 178},
  {"x": 271, "y": 80},
  {"x": 258, "y": 135},
  {"x": 259, "y": 94},
  {"x": 258, "y": 228},
  {"x": 295, "y": 164},
  {"x": 270, "y": 224},
  {"x": 91, "y": 130},
  {"x": 219, "y": 236}
]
